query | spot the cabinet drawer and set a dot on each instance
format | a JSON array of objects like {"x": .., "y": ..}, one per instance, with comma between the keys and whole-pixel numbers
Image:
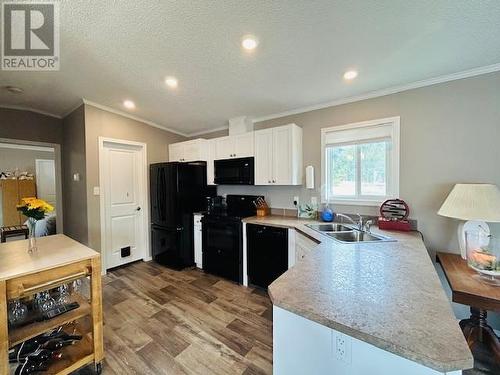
[{"x": 37, "y": 282}]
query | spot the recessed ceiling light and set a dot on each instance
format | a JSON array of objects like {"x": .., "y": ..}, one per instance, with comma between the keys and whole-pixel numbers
[
  {"x": 249, "y": 42},
  {"x": 171, "y": 82},
  {"x": 350, "y": 74},
  {"x": 129, "y": 104},
  {"x": 14, "y": 89}
]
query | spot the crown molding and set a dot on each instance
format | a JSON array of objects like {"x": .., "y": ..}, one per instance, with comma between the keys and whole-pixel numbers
[
  {"x": 18, "y": 146},
  {"x": 369, "y": 95},
  {"x": 80, "y": 103},
  {"x": 388, "y": 91},
  {"x": 132, "y": 117},
  {"x": 25, "y": 108},
  {"x": 195, "y": 134}
]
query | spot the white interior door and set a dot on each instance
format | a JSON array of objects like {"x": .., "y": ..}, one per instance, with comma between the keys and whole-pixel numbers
[
  {"x": 124, "y": 203},
  {"x": 46, "y": 180}
]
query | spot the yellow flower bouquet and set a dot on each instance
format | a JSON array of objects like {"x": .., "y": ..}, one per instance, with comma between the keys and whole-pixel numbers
[{"x": 34, "y": 208}]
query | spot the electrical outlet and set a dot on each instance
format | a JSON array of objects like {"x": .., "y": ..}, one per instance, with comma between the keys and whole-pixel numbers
[
  {"x": 314, "y": 201},
  {"x": 295, "y": 201},
  {"x": 342, "y": 347}
]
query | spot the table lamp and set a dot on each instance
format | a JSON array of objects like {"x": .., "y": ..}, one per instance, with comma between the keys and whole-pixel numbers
[{"x": 474, "y": 204}]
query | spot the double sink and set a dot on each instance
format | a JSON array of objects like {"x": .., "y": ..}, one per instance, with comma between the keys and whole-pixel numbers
[{"x": 347, "y": 233}]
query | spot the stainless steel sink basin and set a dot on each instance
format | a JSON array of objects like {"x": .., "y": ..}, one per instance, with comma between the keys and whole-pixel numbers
[
  {"x": 358, "y": 236},
  {"x": 347, "y": 234},
  {"x": 330, "y": 227}
]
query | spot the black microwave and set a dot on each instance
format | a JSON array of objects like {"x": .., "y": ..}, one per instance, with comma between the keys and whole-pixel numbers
[{"x": 234, "y": 171}]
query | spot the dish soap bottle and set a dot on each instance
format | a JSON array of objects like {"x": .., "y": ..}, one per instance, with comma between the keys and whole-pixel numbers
[{"x": 327, "y": 214}]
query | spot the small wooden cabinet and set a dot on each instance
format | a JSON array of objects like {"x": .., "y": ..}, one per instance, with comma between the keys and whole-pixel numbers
[
  {"x": 59, "y": 260},
  {"x": 235, "y": 146},
  {"x": 194, "y": 150},
  {"x": 12, "y": 191},
  {"x": 278, "y": 156}
]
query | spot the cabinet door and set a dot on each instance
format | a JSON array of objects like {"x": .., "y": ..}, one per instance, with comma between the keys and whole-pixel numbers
[
  {"x": 282, "y": 156},
  {"x": 192, "y": 151},
  {"x": 263, "y": 157},
  {"x": 224, "y": 148},
  {"x": 211, "y": 149},
  {"x": 303, "y": 246},
  {"x": 175, "y": 152},
  {"x": 244, "y": 145}
]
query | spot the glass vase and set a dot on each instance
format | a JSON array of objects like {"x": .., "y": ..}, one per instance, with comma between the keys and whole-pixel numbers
[{"x": 31, "y": 235}]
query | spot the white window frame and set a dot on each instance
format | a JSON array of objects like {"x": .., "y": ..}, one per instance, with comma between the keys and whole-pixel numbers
[{"x": 393, "y": 172}]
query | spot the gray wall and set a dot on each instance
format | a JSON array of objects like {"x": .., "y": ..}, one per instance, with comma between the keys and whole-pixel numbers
[
  {"x": 106, "y": 124},
  {"x": 29, "y": 126},
  {"x": 22, "y": 159},
  {"x": 450, "y": 133},
  {"x": 73, "y": 161}
]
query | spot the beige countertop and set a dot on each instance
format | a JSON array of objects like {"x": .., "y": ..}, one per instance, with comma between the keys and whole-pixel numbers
[
  {"x": 53, "y": 251},
  {"x": 386, "y": 294}
]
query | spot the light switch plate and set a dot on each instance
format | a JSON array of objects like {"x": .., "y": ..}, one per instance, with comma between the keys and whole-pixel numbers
[
  {"x": 76, "y": 177},
  {"x": 314, "y": 201},
  {"x": 97, "y": 190}
]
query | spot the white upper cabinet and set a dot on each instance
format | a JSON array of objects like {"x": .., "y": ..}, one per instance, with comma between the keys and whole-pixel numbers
[
  {"x": 210, "y": 161},
  {"x": 235, "y": 146},
  {"x": 244, "y": 145},
  {"x": 175, "y": 151},
  {"x": 278, "y": 156},
  {"x": 224, "y": 148},
  {"x": 263, "y": 157},
  {"x": 194, "y": 150}
]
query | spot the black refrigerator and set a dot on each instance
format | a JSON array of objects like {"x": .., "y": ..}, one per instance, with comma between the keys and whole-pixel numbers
[{"x": 177, "y": 191}]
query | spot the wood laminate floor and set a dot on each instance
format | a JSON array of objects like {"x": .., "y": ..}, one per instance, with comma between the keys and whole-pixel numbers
[{"x": 161, "y": 321}]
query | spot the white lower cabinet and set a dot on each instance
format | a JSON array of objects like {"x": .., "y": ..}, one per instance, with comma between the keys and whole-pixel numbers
[
  {"x": 198, "y": 238},
  {"x": 301, "y": 346},
  {"x": 303, "y": 246}
]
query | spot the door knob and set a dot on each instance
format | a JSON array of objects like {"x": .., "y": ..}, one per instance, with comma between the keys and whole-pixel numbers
[{"x": 138, "y": 209}]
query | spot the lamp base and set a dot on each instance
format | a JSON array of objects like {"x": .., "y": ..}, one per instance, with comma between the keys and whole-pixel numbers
[{"x": 471, "y": 225}]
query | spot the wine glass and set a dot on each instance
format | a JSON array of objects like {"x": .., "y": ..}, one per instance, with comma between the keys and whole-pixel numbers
[
  {"x": 17, "y": 311},
  {"x": 44, "y": 302},
  {"x": 63, "y": 296}
]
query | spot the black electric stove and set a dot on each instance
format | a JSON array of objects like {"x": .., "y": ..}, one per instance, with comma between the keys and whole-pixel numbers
[{"x": 222, "y": 242}]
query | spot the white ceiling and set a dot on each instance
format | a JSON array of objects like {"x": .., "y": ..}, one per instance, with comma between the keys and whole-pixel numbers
[{"x": 116, "y": 50}]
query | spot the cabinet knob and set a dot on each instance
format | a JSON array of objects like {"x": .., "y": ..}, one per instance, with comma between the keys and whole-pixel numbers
[
  {"x": 274, "y": 181},
  {"x": 269, "y": 181}
]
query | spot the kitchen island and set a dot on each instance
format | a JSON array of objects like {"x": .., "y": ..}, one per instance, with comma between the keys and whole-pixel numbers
[
  {"x": 58, "y": 261},
  {"x": 363, "y": 308}
]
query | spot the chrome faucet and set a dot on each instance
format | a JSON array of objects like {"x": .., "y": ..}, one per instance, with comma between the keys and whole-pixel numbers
[{"x": 359, "y": 223}]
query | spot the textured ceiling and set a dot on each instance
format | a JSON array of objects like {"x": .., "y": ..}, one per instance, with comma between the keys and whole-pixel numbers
[{"x": 116, "y": 50}]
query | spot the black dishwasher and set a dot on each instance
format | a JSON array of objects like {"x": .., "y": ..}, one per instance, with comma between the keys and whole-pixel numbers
[{"x": 267, "y": 253}]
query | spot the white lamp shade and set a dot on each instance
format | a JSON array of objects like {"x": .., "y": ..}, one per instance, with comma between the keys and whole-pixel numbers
[{"x": 473, "y": 202}]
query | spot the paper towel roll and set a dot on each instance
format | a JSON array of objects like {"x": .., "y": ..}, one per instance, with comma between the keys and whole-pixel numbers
[{"x": 309, "y": 177}]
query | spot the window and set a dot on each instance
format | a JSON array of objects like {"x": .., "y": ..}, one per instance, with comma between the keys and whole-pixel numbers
[{"x": 360, "y": 162}]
